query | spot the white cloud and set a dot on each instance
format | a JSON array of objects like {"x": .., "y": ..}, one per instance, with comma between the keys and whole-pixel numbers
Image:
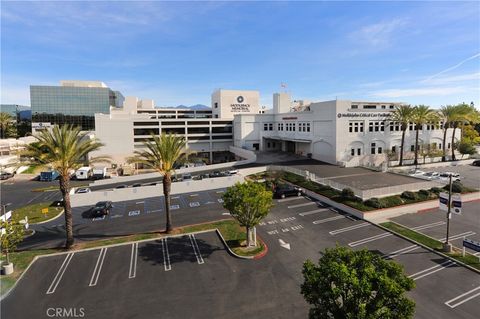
[
  {"x": 452, "y": 67},
  {"x": 379, "y": 34},
  {"x": 427, "y": 91},
  {"x": 454, "y": 78}
]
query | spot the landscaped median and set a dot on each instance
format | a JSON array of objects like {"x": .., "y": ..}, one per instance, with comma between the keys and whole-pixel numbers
[
  {"x": 469, "y": 259},
  {"x": 38, "y": 213},
  {"x": 233, "y": 234}
]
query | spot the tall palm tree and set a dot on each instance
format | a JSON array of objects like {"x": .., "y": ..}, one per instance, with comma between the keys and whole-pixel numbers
[
  {"x": 463, "y": 113},
  {"x": 64, "y": 149},
  {"x": 421, "y": 114},
  {"x": 161, "y": 153},
  {"x": 402, "y": 115},
  {"x": 447, "y": 114},
  {"x": 5, "y": 122}
]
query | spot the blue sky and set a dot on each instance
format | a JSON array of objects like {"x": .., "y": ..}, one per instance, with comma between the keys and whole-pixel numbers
[{"x": 179, "y": 52}]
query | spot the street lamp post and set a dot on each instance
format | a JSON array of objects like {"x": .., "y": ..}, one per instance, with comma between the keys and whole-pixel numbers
[{"x": 447, "y": 247}]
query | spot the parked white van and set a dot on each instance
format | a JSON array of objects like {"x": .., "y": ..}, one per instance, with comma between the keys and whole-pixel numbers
[{"x": 83, "y": 172}]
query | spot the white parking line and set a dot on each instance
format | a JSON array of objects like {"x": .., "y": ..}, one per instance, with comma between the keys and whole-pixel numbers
[
  {"x": 321, "y": 221},
  {"x": 301, "y": 205},
  {"x": 59, "y": 275},
  {"x": 429, "y": 226},
  {"x": 98, "y": 267},
  {"x": 459, "y": 236},
  {"x": 154, "y": 211},
  {"x": 401, "y": 251},
  {"x": 432, "y": 270},
  {"x": 133, "y": 261},
  {"x": 196, "y": 250},
  {"x": 289, "y": 199},
  {"x": 141, "y": 202},
  {"x": 166, "y": 256},
  {"x": 455, "y": 304},
  {"x": 342, "y": 230},
  {"x": 313, "y": 211},
  {"x": 369, "y": 239}
]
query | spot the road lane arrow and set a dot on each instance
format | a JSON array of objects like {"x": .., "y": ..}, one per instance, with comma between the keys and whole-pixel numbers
[{"x": 284, "y": 244}]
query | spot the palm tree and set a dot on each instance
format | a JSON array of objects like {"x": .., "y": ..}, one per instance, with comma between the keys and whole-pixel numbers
[
  {"x": 402, "y": 115},
  {"x": 447, "y": 113},
  {"x": 421, "y": 114},
  {"x": 64, "y": 149},
  {"x": 463, "y": 113},
  {"x": 5, "y": 122},
  {"x": 161, "y": 153}
]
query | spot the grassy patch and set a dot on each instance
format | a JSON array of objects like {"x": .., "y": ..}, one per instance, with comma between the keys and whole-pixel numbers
[
  {"x": 426, "y": 240},
  {"x": 34, "y": 212},
  {"x": 117, "y": 240},
  {"x": 469, "y": 259},
  {"x": 46, "y": 189},
  {"x": 20, "y": 261},
  {"x": 33, "y": 169}
]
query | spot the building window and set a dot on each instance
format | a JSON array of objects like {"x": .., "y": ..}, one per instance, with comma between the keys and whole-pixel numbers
[
  {"x": 308, "y": 127},
  {"x": 384, "y": 106},
  {"x": 380, "y": 150},
  {"x": 359, "y": 151},
  {"x": 354, "y": 107},
  {"x": 410, "y": 126},
  {"x": 449, "y": 144},
  {"x": 370, "y": 107},
  {"x": 352, "y": 152},
  {"x": 350, "y": 127},
  {"x": 265, "y": 126},
  {"x": 372, "y": 148},
  {"x": 145, "y": 131},
  {"x": 270, "y": 126},
  {"x": 293, "y": 127},
  {"x": 412, "y": 148},
  {"x": 439, "y": 146},
  {"x": 278, "y": 127},
  {"x": 268, "y": 144},
  {"x": 394, "y": 149},
  {"x": 391, "y": 107},
  {"x": 216, "y": 104},
  {"x": 145, "y": 123}
]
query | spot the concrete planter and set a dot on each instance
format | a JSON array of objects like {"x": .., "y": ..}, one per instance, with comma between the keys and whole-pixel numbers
[{"x": 7, "y": 269}]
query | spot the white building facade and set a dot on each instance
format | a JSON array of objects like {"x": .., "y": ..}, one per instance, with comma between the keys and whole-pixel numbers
[
  {"x": 343, "y": 132},
  {"x": 208, "y": 133}
]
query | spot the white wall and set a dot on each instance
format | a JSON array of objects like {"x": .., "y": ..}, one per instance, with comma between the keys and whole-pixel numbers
[{"x": 229, "y": 103}]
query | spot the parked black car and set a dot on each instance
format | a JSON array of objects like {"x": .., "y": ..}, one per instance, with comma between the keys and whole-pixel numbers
[
  {"x": 476, "y": 163},
  {"x": 215, "y": 174},
  {"x": 101, "y": 208},
  {"x": 283, "y": 191}
]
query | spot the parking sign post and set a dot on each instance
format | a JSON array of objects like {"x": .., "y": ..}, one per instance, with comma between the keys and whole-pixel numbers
[{"x": 447, "y": 247}]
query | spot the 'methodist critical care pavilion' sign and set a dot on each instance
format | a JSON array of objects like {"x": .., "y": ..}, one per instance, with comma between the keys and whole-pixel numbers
[
  {"x": 363, "y": 115},
  {"x": 240, "y": 106}
]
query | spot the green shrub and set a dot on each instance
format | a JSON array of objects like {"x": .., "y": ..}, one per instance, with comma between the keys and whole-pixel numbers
[
  {"x": 348, "y": 193},
  {"x": 409, "y": 195},
  {"x": 457, "y": 187},
  {"x": 436, "y": 190},
  {"x": 391, "y": 201},
  {"x": 374, "y": 202},
  {"x": 425, "y": 194}
]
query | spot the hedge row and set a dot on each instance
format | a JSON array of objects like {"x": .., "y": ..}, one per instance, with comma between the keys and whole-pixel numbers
[{"x": 347, "y": 197}]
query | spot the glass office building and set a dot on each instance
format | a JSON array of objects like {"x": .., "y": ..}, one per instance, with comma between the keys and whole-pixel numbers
[{"x": 74, "y": 102}]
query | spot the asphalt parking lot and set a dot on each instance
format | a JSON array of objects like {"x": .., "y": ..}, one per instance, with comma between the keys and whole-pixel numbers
[
  {"x": 465, "y": 225},
  {"x": 182, "y": 277},
  {"x": 130, "y": 217},
  {"x": 196, "y": 278}
]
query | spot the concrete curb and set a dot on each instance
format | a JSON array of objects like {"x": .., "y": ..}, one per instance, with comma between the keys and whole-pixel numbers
[
  {"x": 230, "y": 251},
  {"x": 49, "y": 220},
  {"x": 427, "y": 248}
]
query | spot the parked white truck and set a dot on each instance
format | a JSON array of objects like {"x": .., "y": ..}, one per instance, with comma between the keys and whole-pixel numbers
[
  {"x": 99, "y": 172},
  {"x": 83, "y": 173}
]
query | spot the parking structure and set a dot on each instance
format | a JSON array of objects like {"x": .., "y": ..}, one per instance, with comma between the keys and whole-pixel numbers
[{"x": 187, "y": 277}]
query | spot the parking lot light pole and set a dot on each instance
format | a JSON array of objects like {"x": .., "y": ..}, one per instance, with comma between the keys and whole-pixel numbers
[{"x": 447, "y": 247}]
